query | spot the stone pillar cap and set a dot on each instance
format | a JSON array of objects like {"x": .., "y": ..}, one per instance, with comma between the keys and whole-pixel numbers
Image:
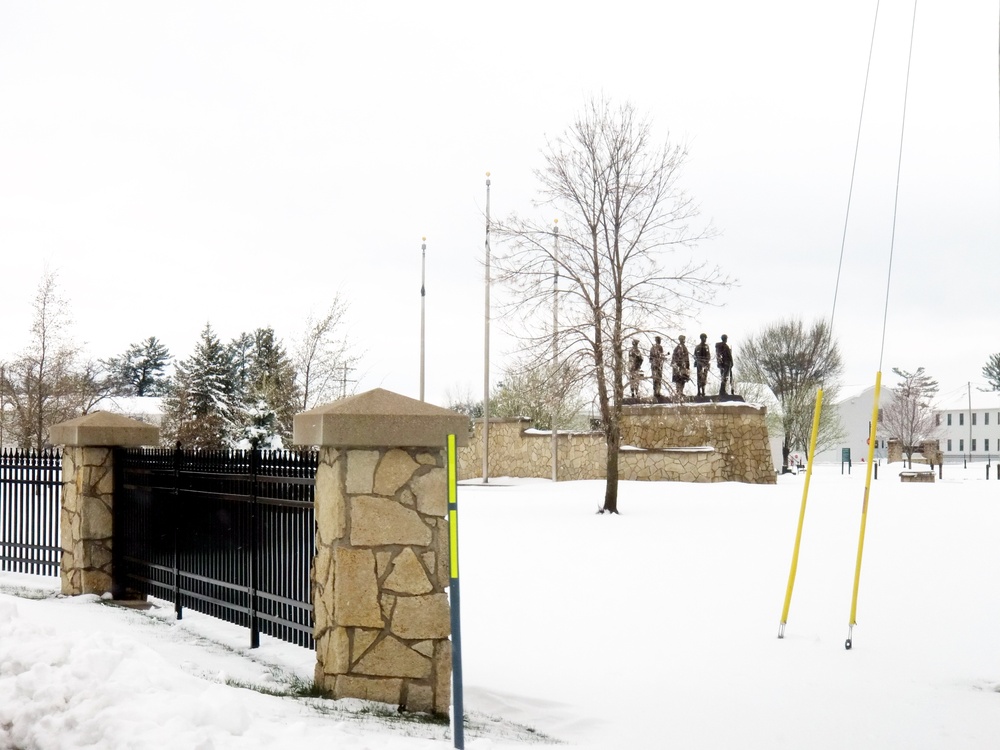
[
  {"x": 103, "y": 428},
  {"x": 379, "y": 418}
]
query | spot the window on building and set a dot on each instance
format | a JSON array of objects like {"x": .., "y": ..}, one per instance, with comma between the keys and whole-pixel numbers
[
  {"x": 961, "y": 445},
  {"x": 973, "y": 443},
  {"x": 949, "y": 446},
  {"x": 949, "y": 420},
  {"x": 937, "y": 420},
  {"x": 961, "y": 418},
  {"x": 986, "y": 444},
  {"x": 973, "y": 417},
  {"x": 986, "y": 417}
]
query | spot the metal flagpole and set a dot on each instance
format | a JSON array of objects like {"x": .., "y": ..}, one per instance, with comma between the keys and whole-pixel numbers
[
  {"x": 555, "y": 350},
  {"x": 486, "y": 364},
  {"x": 423, "y": 296}
]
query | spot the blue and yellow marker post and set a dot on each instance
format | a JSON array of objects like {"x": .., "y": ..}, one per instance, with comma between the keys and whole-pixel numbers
[{"x": 458, "y": 725}]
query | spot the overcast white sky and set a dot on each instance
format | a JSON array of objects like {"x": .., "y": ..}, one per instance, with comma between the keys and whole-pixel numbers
[{"x": 239, "y": 163}]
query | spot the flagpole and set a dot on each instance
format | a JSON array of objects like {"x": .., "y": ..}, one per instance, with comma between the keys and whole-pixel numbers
[
  {"x": 423, "y": 297},
  {"x": 486, "y": 364}
]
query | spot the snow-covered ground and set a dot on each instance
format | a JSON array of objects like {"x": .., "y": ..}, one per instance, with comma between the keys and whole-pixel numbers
[{"x": 655, "y": 628}]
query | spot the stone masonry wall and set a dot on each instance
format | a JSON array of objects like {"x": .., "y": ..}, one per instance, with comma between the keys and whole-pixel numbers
[
  {"x": 86, "y": 520},
  {"x": 689, "y": 443},
  {"x": 380, "y": 576},
  {"x": 930, "y": 451},
  {"x": 736, "y": 430}
]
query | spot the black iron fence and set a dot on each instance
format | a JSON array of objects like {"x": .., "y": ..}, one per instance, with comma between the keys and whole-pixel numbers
[
  {"x": 30, "y": 484},
  {"x": 227, "y": 533}
]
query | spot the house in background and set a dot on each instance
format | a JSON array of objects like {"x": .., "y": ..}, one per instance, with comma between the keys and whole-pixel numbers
[
  {"x": 969, "y": 426},
  {"x": 855, "y": 419},
  {"x": 148, "y": 409},
  {"x": 965, "y": 432}
]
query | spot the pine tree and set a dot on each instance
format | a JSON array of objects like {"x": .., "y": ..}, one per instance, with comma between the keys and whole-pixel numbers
[
  {"x": 199, "y": 411},
  {"x": 991, "y": 371},
  {"x": 140, "y": 371},
  {"x": 273, "y": 379},
  {"x": 264, "y": 392}
]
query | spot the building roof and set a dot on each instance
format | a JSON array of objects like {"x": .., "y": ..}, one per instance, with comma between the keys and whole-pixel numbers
[{"x": 958, "y": 400}]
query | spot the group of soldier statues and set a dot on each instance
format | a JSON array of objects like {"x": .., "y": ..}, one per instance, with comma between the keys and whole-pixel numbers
[{"x": 680, "y": 366}]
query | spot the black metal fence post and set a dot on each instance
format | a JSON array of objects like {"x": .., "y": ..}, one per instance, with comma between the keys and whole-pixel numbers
[
  {"x": 117, "y": 525},
  {"x": 230, "y": 533},
  {"x": 253, "y": 546},
  {"x": 175, "y": 514}
]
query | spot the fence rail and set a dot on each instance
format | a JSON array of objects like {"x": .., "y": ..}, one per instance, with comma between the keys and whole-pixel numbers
[
  {"x": 30, "y": 487},
  {"x": 227, "y": 533}
]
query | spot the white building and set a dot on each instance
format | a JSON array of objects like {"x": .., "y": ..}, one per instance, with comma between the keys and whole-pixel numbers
[
  {"x": 855, "y": 413},
  {"x": 969, "y": 426},
  {"x": 966, "y": 432}
]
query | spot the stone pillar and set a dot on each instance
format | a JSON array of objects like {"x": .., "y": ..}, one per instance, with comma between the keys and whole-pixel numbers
[
  {"x": 88, "y": 482},
  {"x": 381, "y": 571}
]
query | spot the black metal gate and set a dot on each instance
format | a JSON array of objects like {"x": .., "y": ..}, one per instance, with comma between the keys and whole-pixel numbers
[
  {"x": 227, "y": 533},
  {"x": 30, "y": 487}
]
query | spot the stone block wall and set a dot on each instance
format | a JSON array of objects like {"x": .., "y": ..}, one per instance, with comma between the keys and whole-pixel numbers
[
  {"x": 930, "y": 450},
  {"x": 684, "y": 443},
  {"x": 86, "y": 520},
  {"x": 88, "y": 484},
  {"x": 737, "y": 431},
  {"x": 380, "y": 577}
]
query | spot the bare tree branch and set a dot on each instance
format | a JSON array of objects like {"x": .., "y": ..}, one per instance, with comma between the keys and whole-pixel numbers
[{"x": 622, "y": 217}]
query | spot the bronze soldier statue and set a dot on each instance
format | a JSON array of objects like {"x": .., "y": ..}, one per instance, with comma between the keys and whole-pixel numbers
[
  {"x": 680, "y": 363},
  {"x": 656, "y": 357},
  {"x": 702, "y": 361},
  {"x": 724, "y": 360},
  {"x": 634, "y": 368}
]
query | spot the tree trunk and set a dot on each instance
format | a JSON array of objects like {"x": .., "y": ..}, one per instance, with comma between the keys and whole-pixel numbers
[{"x": 613, "y": 437}]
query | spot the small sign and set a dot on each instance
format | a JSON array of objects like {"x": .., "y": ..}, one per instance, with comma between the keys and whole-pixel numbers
[{"x": 845, "y": 455}]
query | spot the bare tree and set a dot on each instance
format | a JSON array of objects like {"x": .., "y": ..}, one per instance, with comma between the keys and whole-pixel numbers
[
  {"x": 41, "y": 387},
  {"x": 324, "y": 357},
  {"x": 909, "y": 415},
  {"x": 794, "y": 362},
  {"x": 622, "y": 212},
  {"x": 535, "y": 393}
]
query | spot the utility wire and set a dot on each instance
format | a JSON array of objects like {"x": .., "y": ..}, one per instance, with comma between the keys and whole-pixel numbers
[
  {"x": 895, "y": 205},
  {"x": 854, "y": 169}
]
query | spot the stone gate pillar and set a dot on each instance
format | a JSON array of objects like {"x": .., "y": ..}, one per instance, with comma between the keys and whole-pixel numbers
[
  {"x": 88, "y": 482},
  {"x": 381, "y": 570}
]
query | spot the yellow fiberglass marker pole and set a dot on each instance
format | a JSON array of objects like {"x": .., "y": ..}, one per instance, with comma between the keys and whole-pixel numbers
[
  {"x": 455, "y": 600},
  {"x": 802, "y": 513},
  {"x": 864, "y": 514}
]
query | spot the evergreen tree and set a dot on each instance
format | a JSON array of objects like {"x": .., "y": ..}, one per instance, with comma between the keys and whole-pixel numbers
[
  {"x": 140, "y": 371},
  {"x": 198, "y": 410},
  {"x": 991, "y": 371},
  {"x": 264, "y": 389},
  {"x": 273, "y": 379}
]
